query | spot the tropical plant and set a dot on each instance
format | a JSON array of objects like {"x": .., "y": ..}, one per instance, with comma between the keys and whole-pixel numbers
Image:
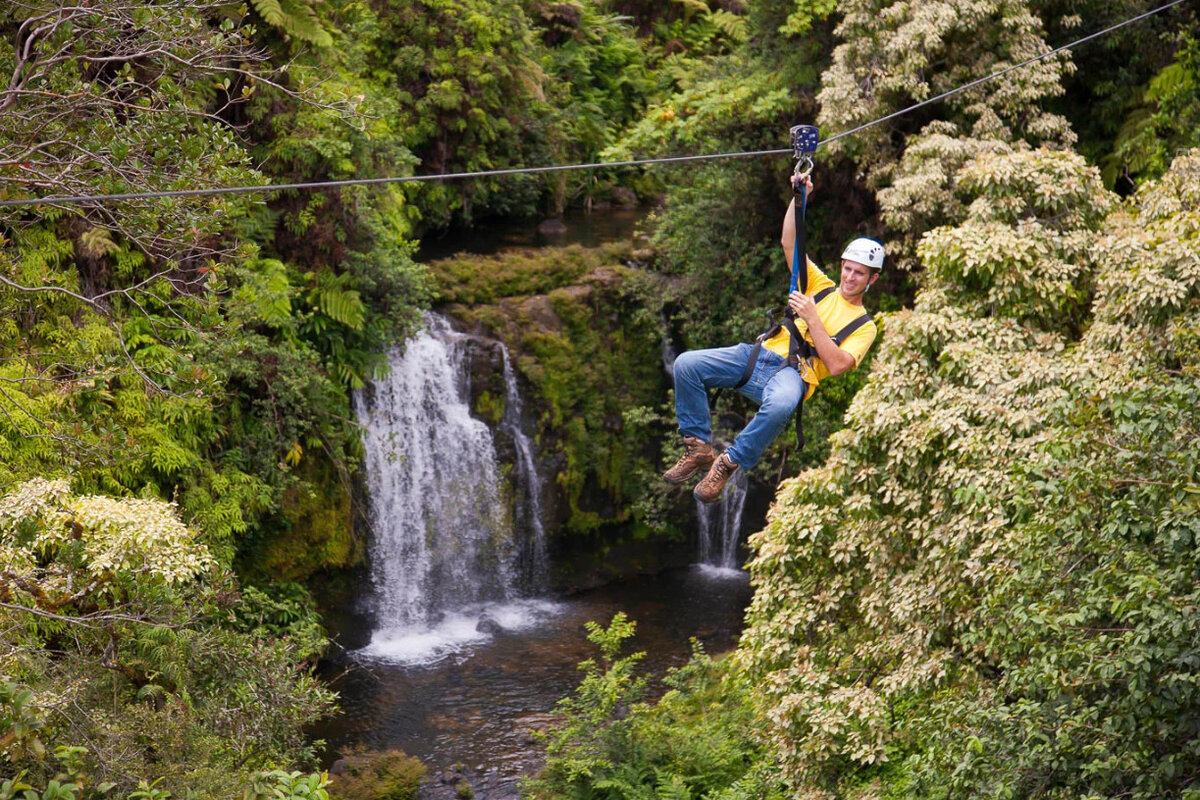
[
  {"x": 696, "y": 741},
  {"x": 129, "y": 663}
]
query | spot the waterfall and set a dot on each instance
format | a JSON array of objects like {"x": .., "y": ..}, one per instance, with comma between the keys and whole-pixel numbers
[
  {"x": 445, "y": 552},
  {"x": 668, "y": 347},
  {"x": 534, "y": 561},
  {"x": 721, "y": 524}
]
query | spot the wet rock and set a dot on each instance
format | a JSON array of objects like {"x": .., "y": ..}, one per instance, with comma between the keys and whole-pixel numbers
[
  {"x": 552, "y": 227},
  {"x": 626, "y": 198},
  {"x": 539, "y": 311},
  {"x": 488, "y": 625}
]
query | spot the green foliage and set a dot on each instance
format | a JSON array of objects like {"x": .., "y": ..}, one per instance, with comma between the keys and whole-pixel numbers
[
  {"x": 595, "y": 736},
  {"x": 696, "y": 741},
  {"x": 131, "y": 664},
  {"x": 279, "y": 784},
  {"x": 283, "y": 609},
  {"x": 1167, "y": 119},
  {"x": 712, "y": 241},
  {"x": 600, "y": 80},
  {"x": 1105, "y": 93},
  {"x": 386, "y": 775},
  {"x": 476, "y": 280},
  {"x": 296, "y": 18},
  {"x": 1092, "y": 596}
]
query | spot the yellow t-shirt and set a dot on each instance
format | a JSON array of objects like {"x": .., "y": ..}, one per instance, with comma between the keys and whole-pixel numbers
[{"x": 835, "y": 313}]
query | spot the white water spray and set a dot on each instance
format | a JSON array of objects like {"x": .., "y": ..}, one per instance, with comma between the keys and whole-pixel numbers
[
  {"x": 445, "y": 552},
  {"x": 721, "y": 524}
]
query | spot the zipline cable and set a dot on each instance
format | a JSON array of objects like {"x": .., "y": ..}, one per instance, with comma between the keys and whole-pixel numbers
[{"x": 76, "y": 199}]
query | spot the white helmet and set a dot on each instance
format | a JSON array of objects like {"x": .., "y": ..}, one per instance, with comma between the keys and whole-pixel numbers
[{"x": 867, "y": 252}]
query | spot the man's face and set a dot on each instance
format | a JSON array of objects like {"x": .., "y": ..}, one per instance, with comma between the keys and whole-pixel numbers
[{"x": 856, "y": 278}]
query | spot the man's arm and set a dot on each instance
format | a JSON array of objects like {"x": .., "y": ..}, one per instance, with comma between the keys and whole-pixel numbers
[
  {"x": 836, "y": 359},
  {"x": 788, "y": 237}
]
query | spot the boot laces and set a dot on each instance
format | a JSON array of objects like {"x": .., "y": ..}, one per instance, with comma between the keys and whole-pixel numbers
[
  {"x": 725, "y": 466},
  {"x": 689, "y": 450}
]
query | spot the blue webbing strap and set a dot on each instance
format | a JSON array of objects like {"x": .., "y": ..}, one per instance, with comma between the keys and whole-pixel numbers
[{"x": 800, "y": 251}]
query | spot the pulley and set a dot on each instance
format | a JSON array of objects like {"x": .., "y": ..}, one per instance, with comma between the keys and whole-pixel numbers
[{"x": 804, "y": 140}]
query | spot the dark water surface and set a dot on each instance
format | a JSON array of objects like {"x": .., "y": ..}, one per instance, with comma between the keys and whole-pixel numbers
[
  {"x": 589, "y": 229},
  {"x": 476, "y": 707}
]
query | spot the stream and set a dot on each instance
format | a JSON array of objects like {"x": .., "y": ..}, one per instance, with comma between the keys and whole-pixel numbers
[{"x": 477, "y": 706}]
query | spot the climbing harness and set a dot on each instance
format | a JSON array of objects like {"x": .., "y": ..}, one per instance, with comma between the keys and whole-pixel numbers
[{"x": 804, "y": 141}]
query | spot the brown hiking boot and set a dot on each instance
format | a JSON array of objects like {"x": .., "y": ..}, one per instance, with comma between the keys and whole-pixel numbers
[
  {"x": 709, "y": 488},
  {"x": 696, "y": 458}
]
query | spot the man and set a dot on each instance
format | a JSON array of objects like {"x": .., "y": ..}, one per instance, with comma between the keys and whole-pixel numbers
[{"x": 775, "y": 384}]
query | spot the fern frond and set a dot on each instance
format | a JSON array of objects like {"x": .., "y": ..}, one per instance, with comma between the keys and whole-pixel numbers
[
  {"x": 302, "y": 22},
  {"x": 296, "y": 18},
  {"x": 271, "y": 12},
  {"x": 730, "y": 24}
]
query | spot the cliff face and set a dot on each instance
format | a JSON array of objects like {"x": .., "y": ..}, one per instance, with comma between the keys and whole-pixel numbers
[{"x": 584, "y": 334}]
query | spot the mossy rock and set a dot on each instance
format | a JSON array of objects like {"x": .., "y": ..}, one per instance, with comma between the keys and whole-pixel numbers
[
  {"x": 376, "y": 775},
  {"x": 316, "y": 531},
  {"x": 477, "y": 280},
  {"x": 588, "y": 348}
]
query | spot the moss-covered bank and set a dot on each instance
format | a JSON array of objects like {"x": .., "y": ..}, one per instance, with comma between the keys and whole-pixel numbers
[{"x": 584, "y": 329}]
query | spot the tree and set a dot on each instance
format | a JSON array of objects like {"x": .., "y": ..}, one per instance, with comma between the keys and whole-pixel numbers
[
  {"x": 972, "y": 508},
  {"x": 131, "y": 657},
  {"x": 894, "y": 54},
  {"x": 148, "y": 346}
]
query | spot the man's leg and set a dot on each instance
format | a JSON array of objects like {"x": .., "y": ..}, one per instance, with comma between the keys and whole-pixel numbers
[
  {"x": 697, "y": 371},
  {"x": 779, "y": 398}
]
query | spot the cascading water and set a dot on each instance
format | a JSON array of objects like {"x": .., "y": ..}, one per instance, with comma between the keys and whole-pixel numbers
[
  {"x": 533, "y": 560},
  {"x": 445, "y": 552},
  {"x": 668, "y": 347},
  {"x": 721, "y": 524}
]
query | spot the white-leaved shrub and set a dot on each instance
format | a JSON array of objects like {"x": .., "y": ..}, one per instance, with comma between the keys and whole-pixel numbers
[
  {"x": 110, "y": 538},
  {"x": 888, "y": 638}
]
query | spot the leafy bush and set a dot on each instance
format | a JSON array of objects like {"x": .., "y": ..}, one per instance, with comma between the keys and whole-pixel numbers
[
  {"x": 697, "y": 741},
  {"x": 127, "y": 663},
  {"x": 384, "y": 775}
]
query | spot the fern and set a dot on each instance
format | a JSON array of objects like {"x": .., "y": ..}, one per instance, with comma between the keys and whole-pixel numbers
[
  {"x": 296, "y": 18},
  {"x": 270, "y": 11},
  {"x": 1173, "y": 79},
  {"x": 344, "y": 306},
  {"x": 671, "y": 787},
  {"x": 732, "y": 26}
]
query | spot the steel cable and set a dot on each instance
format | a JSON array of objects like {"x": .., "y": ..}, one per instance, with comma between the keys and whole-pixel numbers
[{"x": 78, "y": 199}]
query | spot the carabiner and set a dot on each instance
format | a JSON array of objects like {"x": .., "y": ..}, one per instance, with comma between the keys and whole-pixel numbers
[{"x": 804, "y": 168}]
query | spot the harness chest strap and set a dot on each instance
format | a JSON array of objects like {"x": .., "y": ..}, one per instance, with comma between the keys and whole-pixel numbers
[{"x": 799, "y": 348}]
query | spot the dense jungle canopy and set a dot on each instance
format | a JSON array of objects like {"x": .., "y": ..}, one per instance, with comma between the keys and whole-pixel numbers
[{"x": 979, "y": 579}]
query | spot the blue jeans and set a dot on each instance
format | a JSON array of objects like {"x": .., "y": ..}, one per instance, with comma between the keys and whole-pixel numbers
[{"x": 776, "y": 387}]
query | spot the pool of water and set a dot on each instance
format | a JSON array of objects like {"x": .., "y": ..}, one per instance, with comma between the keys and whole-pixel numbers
[
  {"x": 455, "y": 696},
  {"x": 589, "y": 229}
]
